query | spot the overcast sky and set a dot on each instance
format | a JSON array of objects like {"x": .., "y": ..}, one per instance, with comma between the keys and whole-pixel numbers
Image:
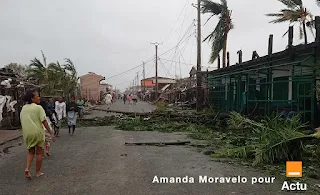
[{"x": 109, "y": 37}]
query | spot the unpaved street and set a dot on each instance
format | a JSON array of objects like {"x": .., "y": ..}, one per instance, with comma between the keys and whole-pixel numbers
[{"x": 95, "y": 161}]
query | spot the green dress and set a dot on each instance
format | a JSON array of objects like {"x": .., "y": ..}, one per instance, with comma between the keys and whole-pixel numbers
[{"x": 32, "y": 116}]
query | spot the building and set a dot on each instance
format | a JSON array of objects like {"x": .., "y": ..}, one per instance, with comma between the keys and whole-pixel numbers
[
  {"x": 283, "y": 82},
  {"x": 150, "y": 83},
  {"x": 104, "y": 87},
  {"x": 90, "y": 86}
]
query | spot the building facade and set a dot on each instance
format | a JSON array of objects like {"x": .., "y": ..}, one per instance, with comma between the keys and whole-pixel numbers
[
  {"x": 104, "y": 87},
  {"x": 90, "y": 86},
  {"x": 150, "y": 83}
]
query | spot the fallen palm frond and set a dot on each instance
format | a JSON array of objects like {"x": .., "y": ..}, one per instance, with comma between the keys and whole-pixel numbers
[{"x": 279, "y": 139}]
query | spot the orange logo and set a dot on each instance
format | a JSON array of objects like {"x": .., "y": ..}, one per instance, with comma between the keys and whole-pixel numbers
[{"x": 294, "y": 169}]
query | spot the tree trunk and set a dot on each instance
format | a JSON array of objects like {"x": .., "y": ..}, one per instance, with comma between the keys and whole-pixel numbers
[
  {"x": 224, "y": 52},
  {"x": 305, "y": 33}
]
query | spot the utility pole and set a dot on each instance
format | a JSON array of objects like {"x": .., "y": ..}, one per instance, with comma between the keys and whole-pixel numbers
[
  {"x": 156, "y": 45},
  {"x": 144, "y": 77},
  {"x": 199, "y": 74},
  {"x": 138, "y": 88}
]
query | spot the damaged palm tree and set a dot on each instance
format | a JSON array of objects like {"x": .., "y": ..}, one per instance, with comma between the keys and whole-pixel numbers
[
  {"x": 278, "y": 139},
  {"x": 219, "y": 36},
  {"x": 294, "y": 13}
]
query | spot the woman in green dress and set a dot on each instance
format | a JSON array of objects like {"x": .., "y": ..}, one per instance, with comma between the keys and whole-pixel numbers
[{"x": 32, "y": 118}]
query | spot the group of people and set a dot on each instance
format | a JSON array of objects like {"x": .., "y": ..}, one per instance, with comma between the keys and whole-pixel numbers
[
  {"x": 132, "y": 99},
  {"x": 41, "y": 123}
]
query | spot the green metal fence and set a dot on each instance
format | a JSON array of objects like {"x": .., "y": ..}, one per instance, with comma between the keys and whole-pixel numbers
[{"x": 284, "y": 85}]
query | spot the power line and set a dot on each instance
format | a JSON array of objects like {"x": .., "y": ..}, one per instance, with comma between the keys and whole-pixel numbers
[
  {"x": 167, "y": 72},
  {"x": 123, "y": 82},
  {"x": 183, "y": 63},
  {"x": 185, "y": 6},
  {"x": 124, "y": 72},
  {"x": 151, "y": 59},
  {"x": 187, "y": 39},
  {"x": 183, "y": 22}
]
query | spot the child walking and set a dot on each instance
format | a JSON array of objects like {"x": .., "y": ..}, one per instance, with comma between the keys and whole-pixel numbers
[{"x": 72, "y": 109}]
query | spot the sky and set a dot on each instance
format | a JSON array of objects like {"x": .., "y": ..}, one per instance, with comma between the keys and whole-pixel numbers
[{"x": 109, "y": 37}]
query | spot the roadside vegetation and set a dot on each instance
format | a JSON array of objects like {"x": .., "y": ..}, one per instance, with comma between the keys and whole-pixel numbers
[
  {"x": 54, "y": 78},
  {"x": 265, "y": 144}
]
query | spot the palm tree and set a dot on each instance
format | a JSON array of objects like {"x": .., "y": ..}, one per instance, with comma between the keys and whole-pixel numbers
[
  {"x": 38, "y": 71},
  {"x": 294, "y": 13},
  {"x": 54, "y": 76},
  {"x": 71, "y": 76},
  {"x": 219, "y": 36}
]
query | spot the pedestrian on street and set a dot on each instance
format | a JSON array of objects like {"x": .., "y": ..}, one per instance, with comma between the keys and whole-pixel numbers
[
  {"x": 72, "y": 109},
  {"x": 60, "y": 108},
  {"x": 33, "y": 118},
  {"x": 124, "y": 98},
  {"x": 108, "y": 100},
  {"x": 50, "y": 122},
  {"x": 134, "y": 99},
  {"x": 80, "y": 103},
  {"x": 129, "y": 98},
  {"x": 52, "y": 107}
]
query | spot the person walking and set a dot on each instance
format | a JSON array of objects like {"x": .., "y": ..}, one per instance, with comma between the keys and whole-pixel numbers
[
  {"x": 134, "y": 99},
  {"x": 51, "y": 123},
  {"x": 60, "y": 108},
  {"x": 72, "y": 109},
  {"x": 108, "y": 100},
  {"x": 124, "y": 98},
  {"x": 129, "y": 98},
  {"x": 33, "y": 118},
  {"x": 80, "y": 103}
]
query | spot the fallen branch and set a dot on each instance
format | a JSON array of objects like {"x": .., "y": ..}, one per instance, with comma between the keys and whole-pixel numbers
[
  {"x": 157, "y": 143},
  {"x": 125, "y": 113}
]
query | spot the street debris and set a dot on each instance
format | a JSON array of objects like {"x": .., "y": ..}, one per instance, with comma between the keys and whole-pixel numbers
[{"x": 156, "y": 143}]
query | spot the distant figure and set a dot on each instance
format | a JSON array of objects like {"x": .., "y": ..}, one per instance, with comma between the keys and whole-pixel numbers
[
  {"x": 80, "y": 104},
  {"x": 108, "y": 100},
  {"x": 124, "y": 98},
  {"x": 134, "y": 99},
  {"x": 33, "y": 118},
  {"x": 60, "y": 108},
  {"x": 129, "y": 98},
  {"x": 72, "y": 109}
]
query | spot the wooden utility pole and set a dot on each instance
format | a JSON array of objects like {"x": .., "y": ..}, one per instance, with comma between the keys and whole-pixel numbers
[
  {"x": 144, "y": 77},
  {"x": 138, "y": 86},
  {"x": 156, "y": 45},
  {"x": 199, "y": 74}
]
